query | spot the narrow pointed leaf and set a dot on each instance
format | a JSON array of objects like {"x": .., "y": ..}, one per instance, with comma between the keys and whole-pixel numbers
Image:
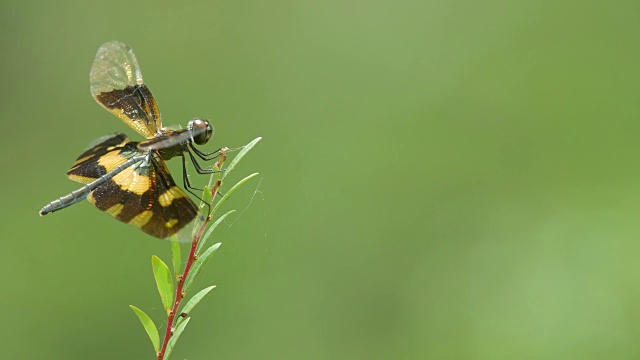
[
  {"x": 202, "y": 210},
  {"x": 206, "y": 196},
  {"x": 196, "y": 299},
  {"x": 186, "y": 310},
  {"x": 199, "y": 264},
  {"x": 234, "y": 188},
  {"x": 164, "y": 282},
  {"x": 239, "y": 157},
  {"x": 175, "y": 255},
  {"x": 210, "y": 230},
  {"x": 174, "y": 338},
  {"x": 149, "y": 327},
  {"x": 206, "y": 199}
]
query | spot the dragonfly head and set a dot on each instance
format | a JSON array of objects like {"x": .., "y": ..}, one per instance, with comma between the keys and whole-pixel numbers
[{"x": 201, "y": 131}]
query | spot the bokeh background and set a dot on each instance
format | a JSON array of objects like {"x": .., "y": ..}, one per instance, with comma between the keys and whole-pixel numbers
[{"x": 439, "y": 179}]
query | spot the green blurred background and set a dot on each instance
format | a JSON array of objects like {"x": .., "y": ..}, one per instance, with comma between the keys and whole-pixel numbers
[{"x": 439, "y": 179}]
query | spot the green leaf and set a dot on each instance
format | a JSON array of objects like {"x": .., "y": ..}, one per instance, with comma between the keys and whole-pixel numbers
[
  {"x": 206, "y": 199},
  {"x": 202, "y": 211},
  {"x": 234, "y": 188},
  {"x": 186, "y": 310},
  {"x": 196, "y": 299},
  {"x": 206, "y": 196},
  {"x": 204, "y": 238},
  {"x": 174, "y": 338},
  {"x": 149, "y": 327},
  {"x": 239, "y": 157},
  {"x": 198, "y": 265},
  {"x": 163, "y": 281},
  {"x": 175, "y": 255}
]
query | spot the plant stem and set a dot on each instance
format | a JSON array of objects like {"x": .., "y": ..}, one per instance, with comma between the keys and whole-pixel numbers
[
  {"x": 190, "y": 260},
  {"x": 179, "y": 294}
]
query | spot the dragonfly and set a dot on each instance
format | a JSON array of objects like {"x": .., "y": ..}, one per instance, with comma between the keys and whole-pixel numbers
[{"x": 126, "y": 179}]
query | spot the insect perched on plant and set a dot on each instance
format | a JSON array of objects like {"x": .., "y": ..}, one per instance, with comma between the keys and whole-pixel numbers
[{"x": 129, "y": 180}]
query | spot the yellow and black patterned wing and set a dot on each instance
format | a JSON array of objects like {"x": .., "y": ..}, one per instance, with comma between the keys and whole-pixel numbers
[
  {"x": 117, "y": 85},
  {"x": 101, "y": 157},
  {"x": 145, "y": 196}
]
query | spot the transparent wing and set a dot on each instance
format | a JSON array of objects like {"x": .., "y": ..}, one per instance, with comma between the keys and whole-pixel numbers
[{"x": 117, "y": 84}]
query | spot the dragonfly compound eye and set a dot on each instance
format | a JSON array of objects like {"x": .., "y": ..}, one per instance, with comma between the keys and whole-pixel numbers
[{"x": 201, "y": 130}]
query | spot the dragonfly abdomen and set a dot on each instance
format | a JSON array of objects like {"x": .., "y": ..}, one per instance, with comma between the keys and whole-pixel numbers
[{"x": 80, "y": 194}]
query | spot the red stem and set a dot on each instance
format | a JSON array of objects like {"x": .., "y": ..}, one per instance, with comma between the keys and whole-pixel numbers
[{"x": 180, "y": 281}]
